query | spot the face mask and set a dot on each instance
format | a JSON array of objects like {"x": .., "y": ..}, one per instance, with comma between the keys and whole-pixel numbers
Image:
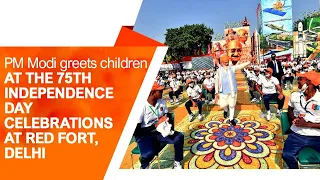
[
  {"x": 191, "y": 84},
  {"x": 268, "y": 75},
  {"x": 304, "y": 88}
]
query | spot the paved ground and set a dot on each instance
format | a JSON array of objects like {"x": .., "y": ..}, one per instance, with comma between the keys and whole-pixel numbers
[{"x": 213, "y": 144}]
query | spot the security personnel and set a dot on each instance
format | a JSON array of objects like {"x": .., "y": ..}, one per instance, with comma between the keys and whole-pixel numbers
[
  {"x": 276, "y": 67},
  {"x": 304, "y": 110},
  {"x": 148, "y": 138}
]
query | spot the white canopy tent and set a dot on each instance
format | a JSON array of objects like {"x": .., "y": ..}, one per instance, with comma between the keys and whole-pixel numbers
[{"x": 169, "y": 67}]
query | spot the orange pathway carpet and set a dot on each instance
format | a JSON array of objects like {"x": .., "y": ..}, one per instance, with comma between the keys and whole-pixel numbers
[{"x": 213, "y": 143}]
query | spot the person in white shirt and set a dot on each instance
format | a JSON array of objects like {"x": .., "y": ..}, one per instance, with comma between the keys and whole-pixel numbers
[
  {"x": 208, "y": 84},
  {"x": 166, "y": 75},
  {"x": 311, "y": 68},
  {"x": 192, "y": 76},
  {"x": 255, "y": 78},
  {"x": 179, "y": 77},
  {"x": 276, "y": 67},
  {"x": 226, "y": 86},
  {"x": 154, "y": 113},
  {"x": 288, "y": 76},
  {"x": 250, "y": 76},
  {"x": 295, "y": 68},
  {"x": 270, "y": 85},
  {"x": 194, "y": 93},
  {"x": 176, "y": 89},
  {"x": 160, "y": 81},
  {"x": 199, "y": 79},
  {"x": 304, "y": 112},
  {"x": 305, "y": 68}
]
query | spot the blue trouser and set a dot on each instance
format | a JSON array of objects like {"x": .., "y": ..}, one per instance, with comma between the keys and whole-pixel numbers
[
  {"x": 149, "y": 146},
  {"x": 294, "y": 143},
  {"x": 212, "y": 92},
  {"x": 189, "y": 105},
  {"x": 176, "y": 93},
  {"x": 290, "y": 79},
  {"x": 268, "y": 97}
]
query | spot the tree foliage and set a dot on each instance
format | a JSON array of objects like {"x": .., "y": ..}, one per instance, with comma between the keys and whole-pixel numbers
[
  {"x": 187, "y": 38},
  {"x": 263, "y": 42},
  {"x": 306, "y": 15}
]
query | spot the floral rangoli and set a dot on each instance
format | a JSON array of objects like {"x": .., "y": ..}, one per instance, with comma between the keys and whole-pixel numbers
[{"x": 248, "y": 145}]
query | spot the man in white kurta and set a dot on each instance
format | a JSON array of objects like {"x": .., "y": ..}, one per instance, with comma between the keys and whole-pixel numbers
[{"x": 226, "y": 86}]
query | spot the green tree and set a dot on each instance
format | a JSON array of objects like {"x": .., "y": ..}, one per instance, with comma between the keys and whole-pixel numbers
[
  {"x": 263, "y": 43},
  {"x": 187, "y": 39},
  {"x": 306, "y": 15}
]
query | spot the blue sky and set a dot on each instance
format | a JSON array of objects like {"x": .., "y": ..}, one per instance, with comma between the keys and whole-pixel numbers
[{"x": 156, "y": 16}]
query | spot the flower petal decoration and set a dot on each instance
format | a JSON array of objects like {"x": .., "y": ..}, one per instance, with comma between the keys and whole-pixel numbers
[{"x": 248, "y": 145}]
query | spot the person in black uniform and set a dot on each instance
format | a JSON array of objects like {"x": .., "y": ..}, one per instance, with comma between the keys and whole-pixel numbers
[{"x": 276, "y": 66}]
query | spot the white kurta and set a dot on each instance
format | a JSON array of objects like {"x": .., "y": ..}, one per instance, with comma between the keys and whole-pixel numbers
[{"x": 227, "y": 99}]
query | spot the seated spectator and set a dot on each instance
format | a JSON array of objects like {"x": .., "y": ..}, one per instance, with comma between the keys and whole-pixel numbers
[
  {"x": 250, "y": 75},
  {"x": 270, "y": 85},
  {"x": 255, "y": 78},
  {"x": 305, "y": 68},
  {"x": 199, "y": 78},
  {"x": 179, "y": 77},
  {"x": 148, "y": 138},
  {"x": 208, "y": 84},
  {"x": 194, "y": 93},
  {"x": 305, "y": 112},
  {"x": 288, "y": 76},
  {"x": 176, "y": 90},
  {"x": 160, "y": 81}
]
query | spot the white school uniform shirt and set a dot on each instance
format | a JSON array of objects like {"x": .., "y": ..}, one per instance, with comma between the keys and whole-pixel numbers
[
  {"x": 299, "y": 66},
  {"x": 160, "y": 82},
  {"x": 199, "y": 77},
  {"x": 268, "y": 86},
  {"x": 150, "y": 114},
  {"x": 250, "y": 75},
  {"x": 194, "y": 92},
  {"x": 296, "y": 100},
  {"x": 209, "y": 82},
  {"x": 256, "y": 78},
  {"x": 311, "y": 68},
  {"x": 175, "y": 85},
  {"x": 287, "y": 72}
]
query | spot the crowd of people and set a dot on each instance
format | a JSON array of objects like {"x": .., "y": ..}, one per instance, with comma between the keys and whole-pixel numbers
[{"x": 266, "y": 83}]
